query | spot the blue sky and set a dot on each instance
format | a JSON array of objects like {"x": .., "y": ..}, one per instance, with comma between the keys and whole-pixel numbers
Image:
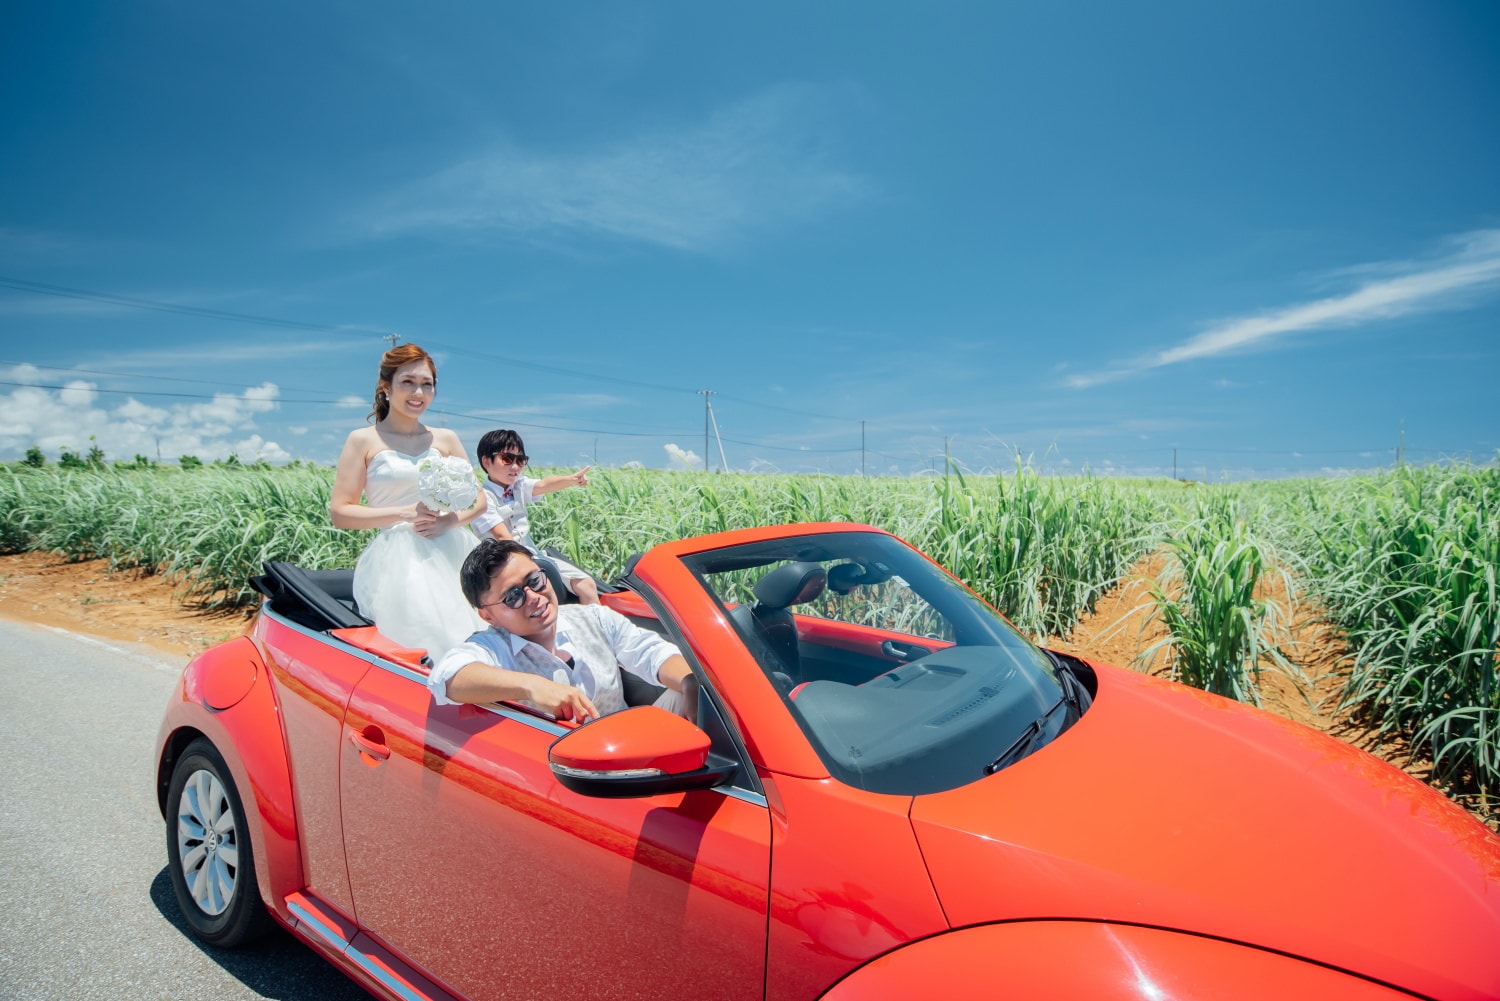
[{"x": 1260, "y": 238}]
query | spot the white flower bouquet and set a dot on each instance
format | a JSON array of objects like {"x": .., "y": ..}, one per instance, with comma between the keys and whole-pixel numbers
[{"x": 446, "y": 483}]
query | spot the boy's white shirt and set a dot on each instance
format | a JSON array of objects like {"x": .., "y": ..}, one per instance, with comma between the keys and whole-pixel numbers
[{"x": 510, "y": 513}]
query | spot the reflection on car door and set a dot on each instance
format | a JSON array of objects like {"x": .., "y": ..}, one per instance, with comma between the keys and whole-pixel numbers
[
  {"x": 314, "y": 681},
  {"x": 470, "y": 860}
]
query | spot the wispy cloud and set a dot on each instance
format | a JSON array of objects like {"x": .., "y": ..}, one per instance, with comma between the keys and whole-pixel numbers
[
  {"x": 30, "y": 246},
  {"x": 754, "y": 164},
  {"x": 196, "y": 356},
  {"x": 1390, "y": 289},
  {"x": 562, "y": 406}
]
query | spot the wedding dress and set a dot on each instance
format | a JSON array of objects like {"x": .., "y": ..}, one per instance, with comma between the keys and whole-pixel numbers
[{"x": 406, "y": 583}]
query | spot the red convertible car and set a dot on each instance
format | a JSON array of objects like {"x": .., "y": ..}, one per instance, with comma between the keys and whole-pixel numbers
[{"x": 888, "y": 793}]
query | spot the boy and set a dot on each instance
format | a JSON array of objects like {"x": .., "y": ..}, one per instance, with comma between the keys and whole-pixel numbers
[{"x": 503, "y": 456}]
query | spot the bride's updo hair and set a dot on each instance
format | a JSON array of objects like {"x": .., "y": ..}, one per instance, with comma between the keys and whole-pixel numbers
[{"x": 401, "y": 354}]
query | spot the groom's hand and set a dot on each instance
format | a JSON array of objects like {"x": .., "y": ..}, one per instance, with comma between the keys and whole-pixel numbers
[{"x": 562, "y": 701}]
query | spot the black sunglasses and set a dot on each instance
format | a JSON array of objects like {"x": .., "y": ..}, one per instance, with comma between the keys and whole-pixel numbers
[
  {"x": 515, "y": 596},
  {"x": 509, "y": 458}
]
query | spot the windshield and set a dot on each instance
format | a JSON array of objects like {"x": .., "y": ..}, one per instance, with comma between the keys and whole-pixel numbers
[{"x": 901, "y": 678}]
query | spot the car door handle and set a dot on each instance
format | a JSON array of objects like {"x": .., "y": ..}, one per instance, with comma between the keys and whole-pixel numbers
[
  {"x": 900, "y": 651},
  {"x": 370, "y": 741}
]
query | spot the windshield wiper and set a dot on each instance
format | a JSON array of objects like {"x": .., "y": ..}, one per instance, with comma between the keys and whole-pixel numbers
[
  {"x": 1072, "y": 686},
  {"x": 1026, "y": 742}
]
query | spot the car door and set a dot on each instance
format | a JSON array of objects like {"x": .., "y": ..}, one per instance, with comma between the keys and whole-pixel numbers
[
  {"x": 467, "y": 858},
  {"x": 314, "y": 680}
]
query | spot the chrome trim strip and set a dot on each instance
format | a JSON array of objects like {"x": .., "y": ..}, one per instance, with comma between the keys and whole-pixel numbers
[
  {"x": 315, "y": 924},
  {"x": 521, "y": 716},
  {"x": 380, "y": 973},
  {"x": 332, "y": 640},
  {"x": 735, "y": 792}
]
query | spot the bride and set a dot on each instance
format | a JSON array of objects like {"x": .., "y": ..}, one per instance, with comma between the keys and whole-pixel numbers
[{"x": 407, "y": 578}]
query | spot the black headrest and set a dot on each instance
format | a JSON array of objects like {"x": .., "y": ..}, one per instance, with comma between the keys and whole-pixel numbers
[
  {"x": 845, "y": 577},
  {"x": 791, "y": 584}
]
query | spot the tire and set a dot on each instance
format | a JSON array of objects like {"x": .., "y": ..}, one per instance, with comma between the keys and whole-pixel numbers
[{"x": 209, "y": 855}]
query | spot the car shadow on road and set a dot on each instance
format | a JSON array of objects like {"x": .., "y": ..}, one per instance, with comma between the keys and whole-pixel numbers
[{"x": 278, "y": 966}]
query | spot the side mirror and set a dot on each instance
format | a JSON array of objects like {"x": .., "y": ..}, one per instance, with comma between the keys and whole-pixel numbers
[{"x": 643, "y": 751}]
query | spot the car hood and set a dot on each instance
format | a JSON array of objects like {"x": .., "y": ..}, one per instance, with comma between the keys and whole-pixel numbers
[{"x": 1169, "y": 807}]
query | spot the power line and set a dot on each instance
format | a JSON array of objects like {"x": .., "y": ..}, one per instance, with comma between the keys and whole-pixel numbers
[
  {"x": 792, "y": 448},
  {"x": 361, "y": 331},
  {"x": 137, "y": 375},
  {"x": 131, "y": 302},
  {"x": 318, "y": 397},
  {"x": 557, "y": 427},
  {"x": 785, "y": 410},
  {"x": 156, "y": 392}
]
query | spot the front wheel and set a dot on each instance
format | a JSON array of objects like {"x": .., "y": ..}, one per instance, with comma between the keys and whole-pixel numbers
[{"x": 209, "y": 853}]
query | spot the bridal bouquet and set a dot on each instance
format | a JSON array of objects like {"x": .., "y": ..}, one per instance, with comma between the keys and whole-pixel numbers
[{"x": 446, "y": 483}]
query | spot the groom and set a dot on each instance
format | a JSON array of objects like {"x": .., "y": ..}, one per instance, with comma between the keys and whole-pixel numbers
[{"x": 563, "y": 659}]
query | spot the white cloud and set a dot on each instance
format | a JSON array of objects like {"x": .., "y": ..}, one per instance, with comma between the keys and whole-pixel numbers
[
  {"x": 77, "y": 393},
  {"x": 78, "y": 417},
  {"x": 351, "y": 402},
  {"x": 262, "y": 397},
  {"x": 255, "y": 447},
  {"x": 134, "y": 410},
  {"x": 753, "y": 164},
  {"x": 26, "y": 373},
  {"x": 682, "y": 458},
  {"x": 1471, "y": 267}
]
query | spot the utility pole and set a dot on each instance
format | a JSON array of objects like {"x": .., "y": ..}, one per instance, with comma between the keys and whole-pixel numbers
[
  {"x": 392, "y": 338},
  {"x": 1174, "y": 462},
  {"x": 1401, "y": 446},
  {"x": 861, "y": 448},
  {"x": 723, "y": 462},
  {"x": 705, "y": 393}
]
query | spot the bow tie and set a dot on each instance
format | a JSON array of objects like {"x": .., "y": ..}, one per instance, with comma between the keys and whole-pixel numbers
[{"x": 510, "y": 493}]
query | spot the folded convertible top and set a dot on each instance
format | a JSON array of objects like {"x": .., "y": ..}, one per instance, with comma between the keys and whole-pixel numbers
[{"x": 317, "y": 599}]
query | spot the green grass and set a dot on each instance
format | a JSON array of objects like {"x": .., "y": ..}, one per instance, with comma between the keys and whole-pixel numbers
[
  {"x": 1406, "y": 565},
  {"x": 1219, "y": 633}
]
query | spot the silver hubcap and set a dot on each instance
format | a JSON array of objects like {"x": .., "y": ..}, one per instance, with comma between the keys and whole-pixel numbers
[{"x": 207, "y": 843}]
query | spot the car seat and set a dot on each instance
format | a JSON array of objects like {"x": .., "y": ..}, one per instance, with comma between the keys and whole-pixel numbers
[{"x": 767, "y": 623}]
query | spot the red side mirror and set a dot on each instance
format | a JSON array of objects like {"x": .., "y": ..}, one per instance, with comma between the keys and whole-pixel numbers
[{"x": 637, "y": 752}]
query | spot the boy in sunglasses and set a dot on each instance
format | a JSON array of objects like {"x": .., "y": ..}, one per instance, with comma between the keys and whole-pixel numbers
[
  {"x": 562, "y": 659},
  {"x": 503, "y": 456}
]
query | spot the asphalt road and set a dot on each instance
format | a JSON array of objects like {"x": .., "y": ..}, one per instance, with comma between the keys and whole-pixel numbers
[{"x": 86, "y": 908}]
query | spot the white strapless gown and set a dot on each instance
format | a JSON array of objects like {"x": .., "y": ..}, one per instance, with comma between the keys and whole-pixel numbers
[{"x": 408, "y": 584}]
